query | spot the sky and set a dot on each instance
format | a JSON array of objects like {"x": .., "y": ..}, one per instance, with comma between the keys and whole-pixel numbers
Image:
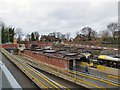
[{"x": 63, "y": 16}]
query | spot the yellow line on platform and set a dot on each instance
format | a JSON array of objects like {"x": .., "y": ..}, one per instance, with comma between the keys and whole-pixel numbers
[
  {"x": 71, "y": 77},
  {"x": 44, "y": 77},
  {"x": 56, "y": 82},
  {"x": 17, "y": 64}
]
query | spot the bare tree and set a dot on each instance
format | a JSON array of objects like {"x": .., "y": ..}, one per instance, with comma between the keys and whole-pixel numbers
[
  {"x": 19, "y": 34},
  {"x": 67, "y": 36},
  {"x": 63, "y": 36},
  {"x": 58, "y": 34},
  {"x": 112, "y": 27},
  {"x": 105, "y": 34},
  {"x": 94, "y": 34},
  {"x": 89, "y": 32},
  {"x": 77, "y": 33},
  {"x": 27, "y": 37},
  {"x": 2, "y": 24}
]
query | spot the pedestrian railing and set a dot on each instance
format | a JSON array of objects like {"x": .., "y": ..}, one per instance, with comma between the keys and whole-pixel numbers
[
  {"x": 113, "y": 77},
  {"x": 75, "y": 75}
]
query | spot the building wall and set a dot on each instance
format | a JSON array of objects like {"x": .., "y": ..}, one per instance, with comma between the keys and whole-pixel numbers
[
  {"x": 39, "y": 43},
  {"x": 62, "y": 63},
  {"x": 9, "y": 46}
]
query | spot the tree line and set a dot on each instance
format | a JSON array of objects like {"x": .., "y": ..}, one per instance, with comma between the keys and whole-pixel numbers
[
  {"x": 87, "y": 33},
  {"x": 7, "y": 34}
]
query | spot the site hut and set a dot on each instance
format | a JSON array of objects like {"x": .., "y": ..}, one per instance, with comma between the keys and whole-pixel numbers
[
  {"x": 38, "y": 49},
  {"x": 63, "y": 57},
  {"x": 67, "y": 48},
  {"x": 21, "y": 48},
  {"x": 71, "y": 57},
  {"x": 80, "y": 49},
  {"x": 64, "y": 60},
  {"x": 47, "y": 47}
]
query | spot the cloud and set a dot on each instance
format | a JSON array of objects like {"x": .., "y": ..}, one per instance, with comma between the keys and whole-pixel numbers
[{"x": 58, "y": 15}]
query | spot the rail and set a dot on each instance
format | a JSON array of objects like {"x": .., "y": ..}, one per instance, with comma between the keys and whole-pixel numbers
[
  {"x": 112, "y": 77},
  {"x": 12, "y": 83}
]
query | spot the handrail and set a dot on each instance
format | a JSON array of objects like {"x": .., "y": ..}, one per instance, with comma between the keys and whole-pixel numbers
[
  {"x": 84, "y": 75},
  {"x": 64, "y": 72},
  {"x": 115, "y": 77},
  {"x": 99, "y": 79}
]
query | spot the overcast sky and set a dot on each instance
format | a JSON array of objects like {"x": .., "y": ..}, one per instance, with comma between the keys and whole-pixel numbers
[{"x": 63, "y": 16}]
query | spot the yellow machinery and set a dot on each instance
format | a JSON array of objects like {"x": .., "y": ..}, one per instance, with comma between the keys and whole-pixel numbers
[
  {"x": 84, "y": 62},
  {"x": 108, "y": 64},
  {"x": 15, "y": 41}
]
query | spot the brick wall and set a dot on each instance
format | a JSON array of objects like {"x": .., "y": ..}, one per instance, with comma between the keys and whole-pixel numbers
[
  {"x": 47, "y": 59},
  {"x": 42, "y": 44},
  {"x": 9, "y": 46},
  {"x": 39, "y": 43}
]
